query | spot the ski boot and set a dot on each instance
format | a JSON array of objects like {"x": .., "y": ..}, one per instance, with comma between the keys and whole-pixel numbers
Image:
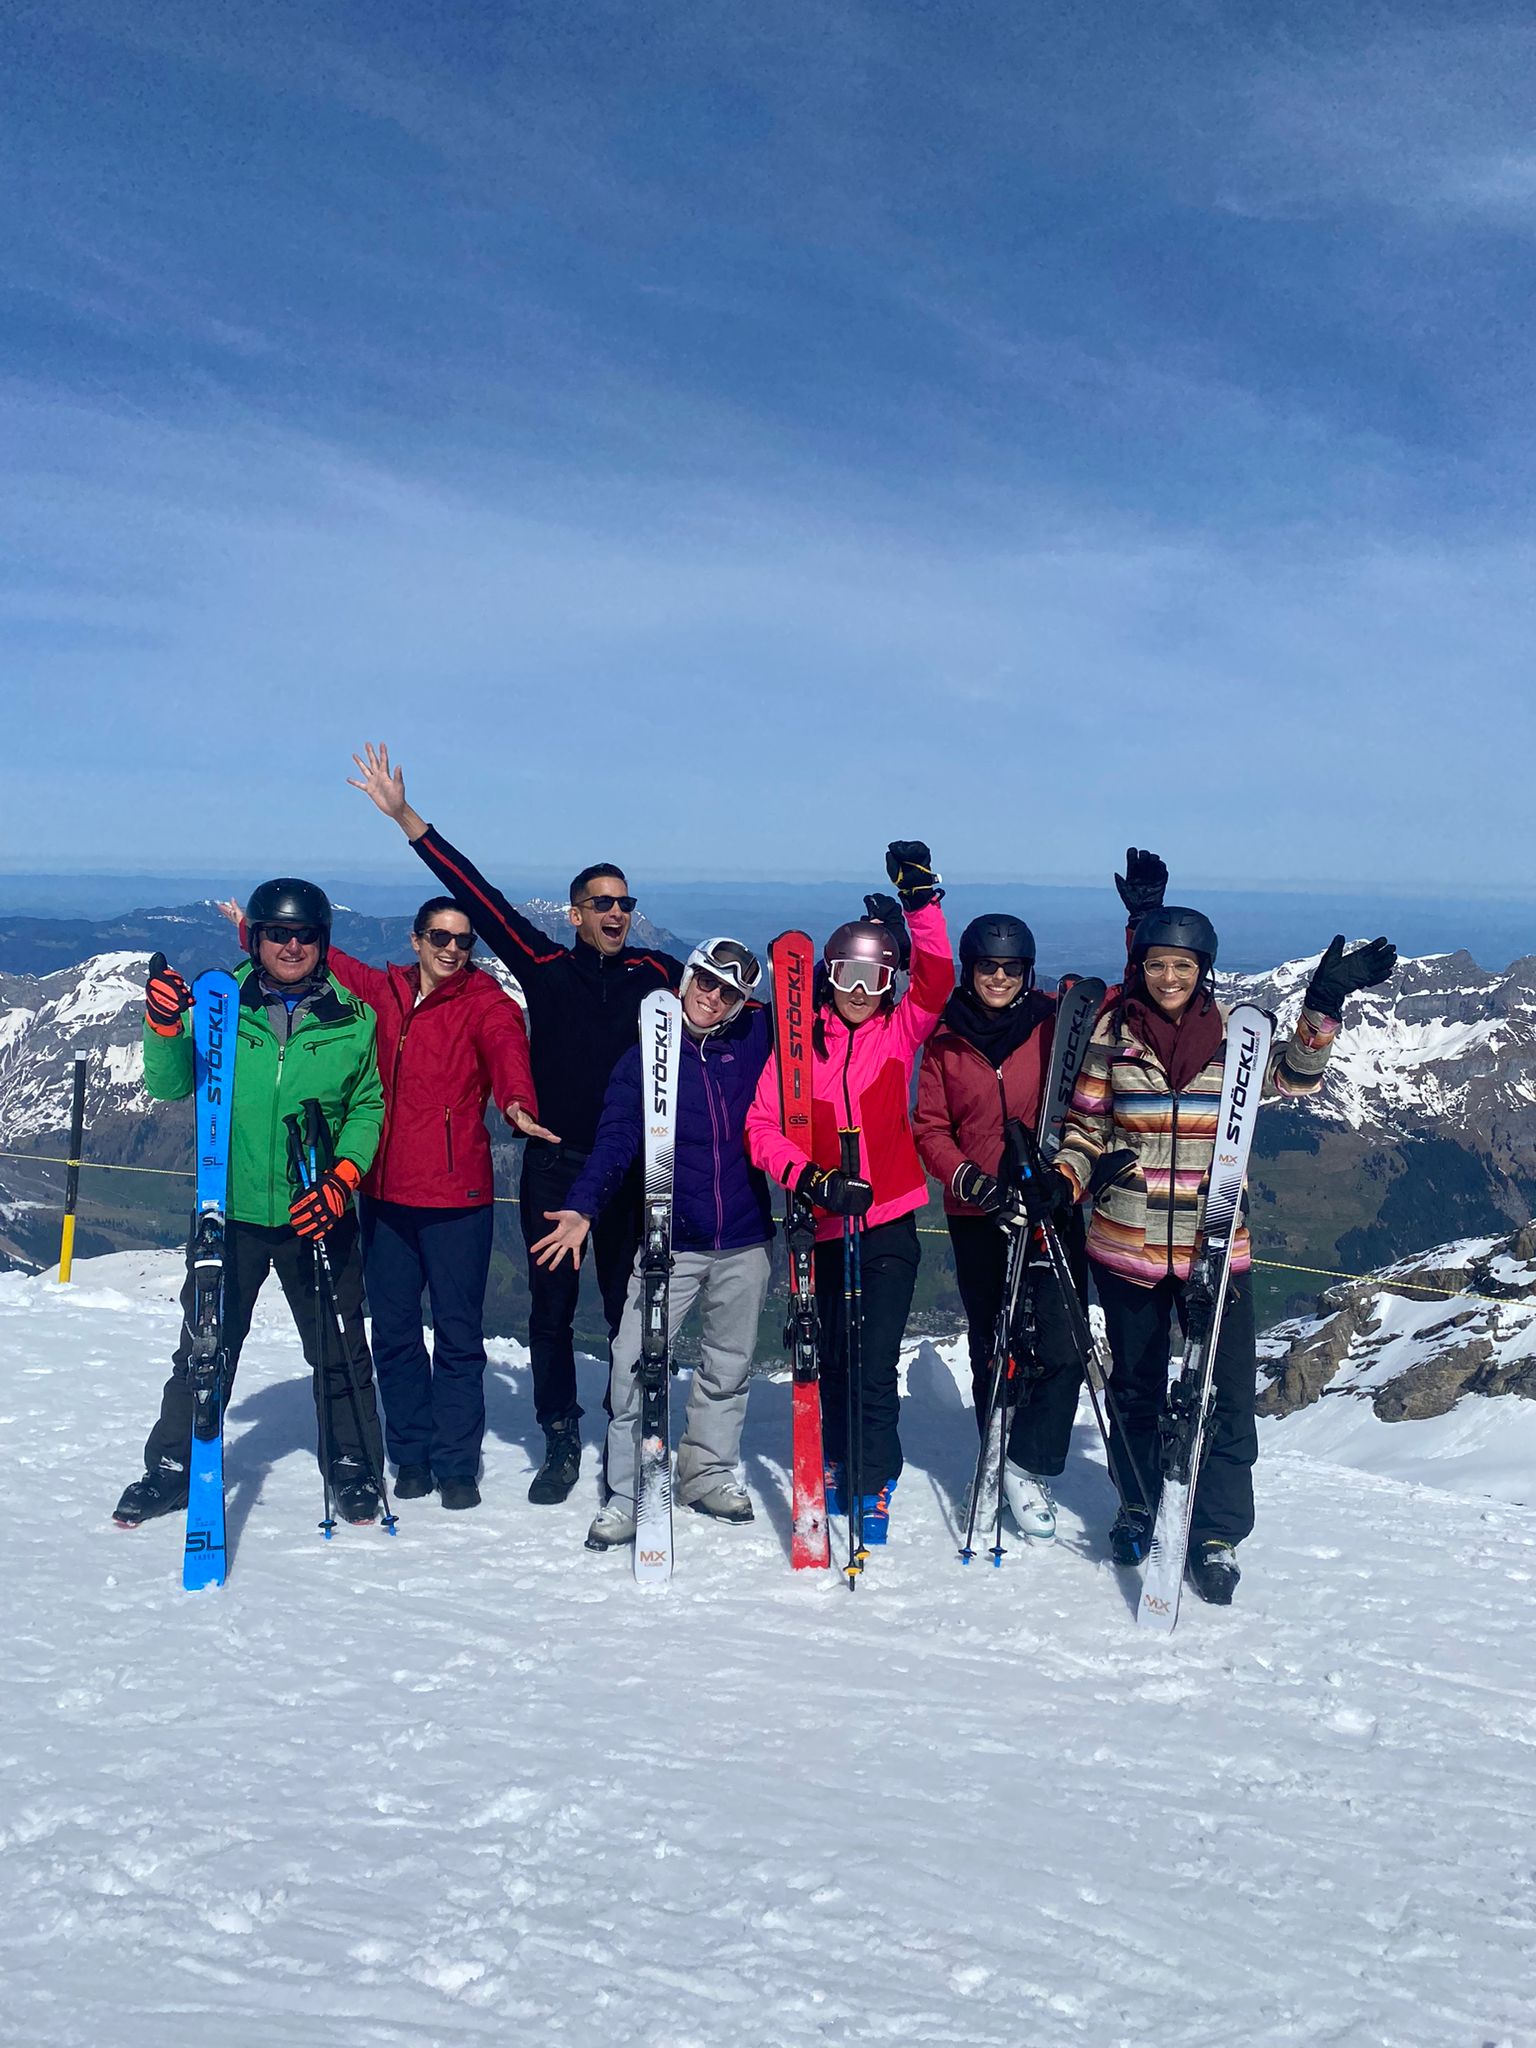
[
  {"x": 1130, "y": 1536},
  {"x": 726, "y": 1502},
  {"x": 354, "y": 1492},
  {"x": 876, "y": 1525},
  {"x": 562, "y": 1462},
  {"x": 1030, "y": 1502},
  {"x": 832, "y": 1481},
  {"x": 1213, "y": 1571},
  {"x": 612, "y": 1525},
  {"x": 458, "y": 1493},
  {"x": 413, "y": 1482},
  {"x": 162, "y": 1491}
]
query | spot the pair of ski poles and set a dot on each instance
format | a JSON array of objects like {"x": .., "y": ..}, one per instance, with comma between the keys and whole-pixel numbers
[
  {"x": 304, "y": 1152},
  {"x": 853, "y": 1358},
  {"x": 1025, "y": 1167}
]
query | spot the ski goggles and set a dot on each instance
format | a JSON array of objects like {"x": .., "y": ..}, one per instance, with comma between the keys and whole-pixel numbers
[
  {"x": 849, "y": 976},
  {"x": 443, "y": 939},
  {"x": 624, "y": 903},
  {"x": 729, "y": 963}
]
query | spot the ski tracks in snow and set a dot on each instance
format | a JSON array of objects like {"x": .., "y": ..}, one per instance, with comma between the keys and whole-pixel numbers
[{"x": 469, "y": 1784}]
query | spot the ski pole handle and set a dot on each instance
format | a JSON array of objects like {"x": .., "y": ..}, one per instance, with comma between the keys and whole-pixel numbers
[{"x": 848, "y": 1146}]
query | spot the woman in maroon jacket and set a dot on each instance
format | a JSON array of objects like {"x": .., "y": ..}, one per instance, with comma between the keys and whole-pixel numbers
[
  {"x": 984, "y": 1066},
  {"x": 449, "y": 1039}
]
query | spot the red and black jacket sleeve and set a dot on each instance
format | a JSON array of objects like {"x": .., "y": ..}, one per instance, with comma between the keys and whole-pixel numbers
[{"x": 513, "y": 938}]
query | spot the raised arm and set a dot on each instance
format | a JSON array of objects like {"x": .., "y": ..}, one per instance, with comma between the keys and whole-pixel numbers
[
  {"x": 513, "y": 938},
  {"x": 910, "y": 866}
]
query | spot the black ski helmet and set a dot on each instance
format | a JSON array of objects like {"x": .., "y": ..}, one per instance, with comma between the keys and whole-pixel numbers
[
  {"x": 1191, "y": 931},
  {"x": 288, "y": 901},
  {"x": 997, "y": 937}
]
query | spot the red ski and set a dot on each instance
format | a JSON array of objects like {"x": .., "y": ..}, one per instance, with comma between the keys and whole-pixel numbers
[{"x": 794, "y": 963}]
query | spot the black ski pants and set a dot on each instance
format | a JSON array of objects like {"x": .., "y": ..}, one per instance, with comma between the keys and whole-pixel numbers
[
  {"x": 1047, "y": 1396},
  {"x": 434, "y": 1407},
  {"x": 1139, "y": 1321},
  {"x": 888, "y": 1257},
  {"x": 251, "y": 1252},
  {"x": 549, "y": 1173}
]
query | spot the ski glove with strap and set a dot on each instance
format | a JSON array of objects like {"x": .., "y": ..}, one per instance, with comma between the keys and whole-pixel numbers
[
  {"x": 976, "y": 1189},
  {"x": 1339, "y": 974},
  {"x": 887, "y": 911},
  {"x": 321, "y": 1207},
  {"x": 840, "y": 1194},
  {"x": 1141, "y": 886},
  {"x": 167, "y": 999},
  {"x": 910, "y": 867}
]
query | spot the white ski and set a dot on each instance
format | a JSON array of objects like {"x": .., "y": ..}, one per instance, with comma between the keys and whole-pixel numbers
[
  {"x": 661, "y": 1025},
  {"x": 1182, "y": 1430}
]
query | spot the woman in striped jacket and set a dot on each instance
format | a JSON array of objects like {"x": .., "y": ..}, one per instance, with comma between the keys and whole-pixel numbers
[{"x": 1139, "y": 1141}]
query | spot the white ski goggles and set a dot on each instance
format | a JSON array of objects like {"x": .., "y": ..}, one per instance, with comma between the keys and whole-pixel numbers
[{"x": 848, "y": 976}]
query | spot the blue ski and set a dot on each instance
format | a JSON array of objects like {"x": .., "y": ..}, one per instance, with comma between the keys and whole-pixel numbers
[{"x": 215, "y": 1008}]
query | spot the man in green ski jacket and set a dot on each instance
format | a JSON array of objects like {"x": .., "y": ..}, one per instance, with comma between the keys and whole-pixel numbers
[{"x": 302, "y": 1038}]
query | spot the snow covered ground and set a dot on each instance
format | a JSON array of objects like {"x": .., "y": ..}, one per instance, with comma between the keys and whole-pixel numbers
[{"x": 468, "y": 1785}]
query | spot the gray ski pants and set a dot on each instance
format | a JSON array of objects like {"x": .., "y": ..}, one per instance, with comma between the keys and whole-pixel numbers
[{"x": 729, "y": 1288}]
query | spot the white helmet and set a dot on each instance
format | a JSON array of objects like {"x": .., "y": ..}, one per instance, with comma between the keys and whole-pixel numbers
[{"x": 729, "y": 963}]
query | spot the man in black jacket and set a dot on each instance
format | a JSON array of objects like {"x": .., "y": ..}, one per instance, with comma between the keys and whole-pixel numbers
[{"x": 583, "y": 1011}]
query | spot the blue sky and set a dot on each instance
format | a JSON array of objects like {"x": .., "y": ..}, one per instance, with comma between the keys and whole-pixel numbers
[{"x": 730, "y": 436}]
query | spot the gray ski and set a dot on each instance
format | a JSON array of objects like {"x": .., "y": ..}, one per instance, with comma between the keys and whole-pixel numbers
[
  {"x": 661, "y": 1025},
  {"x": 1190, "y": 1373}
]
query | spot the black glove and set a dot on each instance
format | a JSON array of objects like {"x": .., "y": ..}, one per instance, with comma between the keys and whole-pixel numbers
[
  {"x": 910, "y": 866},
  {"x": 1339, "y": 974},
  {"x": 166, "y": 999},
  {"x": 976, "y": 1189},
  {"x": 887, "y": 911},
  {"x": 840, "y": 1194},
  {"x": 1141, "y": 886}
]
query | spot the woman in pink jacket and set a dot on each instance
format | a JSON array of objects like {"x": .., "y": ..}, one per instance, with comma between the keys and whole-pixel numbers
[{"x": 865, "y": 1046}]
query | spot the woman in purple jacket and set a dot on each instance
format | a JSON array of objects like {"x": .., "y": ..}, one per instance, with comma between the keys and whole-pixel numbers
[{"x": 721, "y": 1229}]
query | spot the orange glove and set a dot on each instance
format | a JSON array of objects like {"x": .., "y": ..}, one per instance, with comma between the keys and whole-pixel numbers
[
  {"x": 321, "y": 1207},
  {"x": 166, "y": 999}
]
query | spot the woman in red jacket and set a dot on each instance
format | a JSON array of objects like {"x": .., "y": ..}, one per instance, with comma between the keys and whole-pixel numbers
[
  {"x": 449, "y": 1039},
  {"x": 985, "y": 1065}
]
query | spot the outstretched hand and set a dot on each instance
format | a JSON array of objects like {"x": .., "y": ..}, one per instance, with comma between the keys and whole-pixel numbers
[
  {"x": 229, "y": 907},
  {"x": 910, "y": 867},
  {"x": 386, "y": 786},
  {"x": 521, "y": 1121},
  {"x": 1339, "y": 975},
  {"x": 1141, "y": 886},
  {"x": 566, "y": 1240}
]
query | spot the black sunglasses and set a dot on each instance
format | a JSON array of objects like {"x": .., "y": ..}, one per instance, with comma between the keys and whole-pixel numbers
[
  {"x": 624, "y": 903},
  {"x": 1014, "y": 969},
  {"x": 292, "y": 934},
  {"x": 436, "y": 936}
]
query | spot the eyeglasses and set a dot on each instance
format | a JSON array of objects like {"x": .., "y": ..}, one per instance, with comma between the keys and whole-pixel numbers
[
  {"x": 624, "y": 903},
  {"x": 292, "y": 934},
  {"x": 1012, "y": 969},
  {"x": 872, "y": 976},
  {"x": 436, "y": 936},
  {"x": 711, "y": 985}
]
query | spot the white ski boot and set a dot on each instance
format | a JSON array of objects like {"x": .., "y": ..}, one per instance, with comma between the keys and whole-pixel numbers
[
  {"x": 613, "y": 1524},
  {"x": 1030, "y": 1502}
]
